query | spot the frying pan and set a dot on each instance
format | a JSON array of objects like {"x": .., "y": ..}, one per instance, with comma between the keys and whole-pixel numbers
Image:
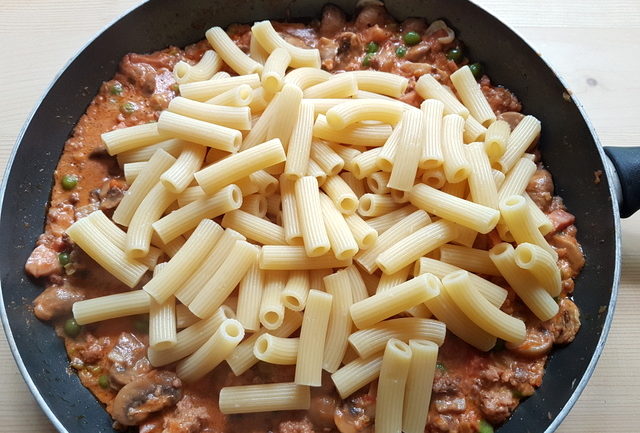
[{"x": 569, "y": 147}]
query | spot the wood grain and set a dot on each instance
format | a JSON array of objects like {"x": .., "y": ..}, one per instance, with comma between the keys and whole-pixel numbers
[{"x": 592, "y": 46}]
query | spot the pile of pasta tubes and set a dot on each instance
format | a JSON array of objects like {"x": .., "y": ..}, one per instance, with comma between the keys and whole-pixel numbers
[{"x": 285, "y": 200}]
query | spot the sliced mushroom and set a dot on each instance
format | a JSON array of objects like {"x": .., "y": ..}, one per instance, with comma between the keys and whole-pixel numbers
[
  {"x": 129, "y": 359},
  {"x": 150, "y": 393},
  {"x": 356, "y": 415},
  {"x": 441, "y": 25},
  {"x": 537, "y": 343}
]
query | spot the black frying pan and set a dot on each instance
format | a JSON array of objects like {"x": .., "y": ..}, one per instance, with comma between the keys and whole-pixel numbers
[{"x": 570, "y": 150}]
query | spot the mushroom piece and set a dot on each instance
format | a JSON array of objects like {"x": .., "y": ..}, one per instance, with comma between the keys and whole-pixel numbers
[
  {"x": 150, "y": 393},
  {"x": 536, "y": 344}
]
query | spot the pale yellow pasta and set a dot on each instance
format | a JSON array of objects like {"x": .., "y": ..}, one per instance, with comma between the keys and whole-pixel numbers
[
  {"x": 358, "y": 134},
  {"x": 141, "y": 187},
  {"x": 265, "y": 182},
  {"x": 250, "y": 293},
  {"x": 526, "y": 285},
  {"x": 400, "y": 197},
  {"x": 364, "y": 94},
  {"x": 314, "y": 233},
  {"x": 384, "y": 159},
  {"x": 495, "y": 140},
  {"x": 162, "y": 323},
  {"x": 184, "y": 317},
  {"x": 409, "y": 152},
  {"x": 473, "y": 130},
  {"x": 391, "y": 386},
  {"x": 456, "y": 165},
  {"x": 373, "y": 205},
  {"x": 402, "y": 228},
  {"x": 356, "y": 185},
  {"x": 466, "y": 236},
  {"x": 239, "y": 165},
  {"x": 259, "y": 101},
  {"x": 341, "y": 194},
  {"x": 356, "y": 374},
  {"x": 290, "y": 221},
  {"x": 481, "y": 183},
  {"x": 429, "y": 88},
  {"x": 384, "y": 222},
  {"x": 185, "y": 262},
  {"x": 519, "y": 141},
  {"x": 337, "y": 86},
  {"x": 372, "y": 340},
  {"x": 205, "y": 90},
  {"x": 517, "y": 216},
  {"x": 299, "y": 150},
  {"x": 190, "y": 195},
  {"x": 314, "y": 170},
  {"x": 307, "y": 77},
  {"x": 231, "y": 117},
  {"x": 447, "y": 311},
  {"x": 178, "y": 177},
  {"x": 377, "y": 182},
  {"x": 208, "y": 65},
  {"x": 255, "y": 204},
  {"x": 388, "y": 281},
  {"x": 417, "y": 395},
  {"x": 390, "y": 302},
  {"x": 111, "y": 307},
  {"x": 498, "y": 177},
  {"x": 416, "y": 245},
  {"x": 363, "y": 233},
  {"x": 189, "y": 339},
  {"x": 189, "y": 216},
  {"x": 132, "y": 170},
  {"x": 434, "y": 177},
  {"x": 131, "y": 138},
  {"x": 359, "y": 289},
  {"x": 240, "y": 96},
  {"x": 269, "y": 39},
  {"x": 231, "y": 53},
  {"x": 285, "y": 257},
  {"x": 322, "y": 105},
  {"x": 271, "y": 308},
  {"x": 456, "y": 189},
  {"x": 471, "y": 96},
  {"x": 274, "y": 69},
  {"x": 198, "y": 131},
  {"x": 347, "y": 153},
  {"x": 254, "y": 227},
  {"x": 326, "y": 157},
  {"x": 282, "y": 123},
  {"x": 172, "y": 146},
  {"x": 341, "y": 239},
  {"x": 470, "y": 259},
  {"x": 264, "y": 398},
  {"x": 472, "y": 215},
  {"x": 432, "y": 156},
  {"x": 212, "y": 352},
  {"x": 358, "y": 110},
  {"x": 316, "y": 278},
  {"x": 170, "y": 248},
  {"x": 294, "y": 295},
  {"x": 384, "y": 83},
  {"x": 541, "y": 220},
  {"x": 312, "y": 338},
  {"x": 276, "y": 350},
  {"x": 484, "y": 314},
  {"x": 257, "y": 52},
  {"x": 517, "y": 179},
  {"x": 212, "y": 295},
  {"x": 338, "y": 286},
  {"x": 243, "y": 358},
  {"x": 541, "y": 265}
]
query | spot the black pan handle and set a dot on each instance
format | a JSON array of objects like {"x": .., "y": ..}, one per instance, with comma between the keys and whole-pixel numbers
[{"x": 626, "y": 161}]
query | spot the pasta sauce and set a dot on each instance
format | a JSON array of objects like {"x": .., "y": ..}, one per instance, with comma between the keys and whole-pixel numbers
[{"x": 471, "y": 390}]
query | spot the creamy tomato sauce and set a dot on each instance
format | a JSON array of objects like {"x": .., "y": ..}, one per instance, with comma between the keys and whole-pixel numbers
[{"x": 470, "y": 387}]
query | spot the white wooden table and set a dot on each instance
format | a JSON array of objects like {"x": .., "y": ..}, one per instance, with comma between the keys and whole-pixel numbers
[{"x": 593, "y": 45}]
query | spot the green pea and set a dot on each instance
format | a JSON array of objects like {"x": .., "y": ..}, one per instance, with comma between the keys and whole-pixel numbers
[
  {"x": 142, "y": 324},
  {"x": 116, "y": 89},
  {"x": 477, "y": 70},
  {"x": 175, "y": 87},
  {"x": 366, "y": 61},
  {"x": 69, "y": 181},
  {"x": 103, "y": 381},
  {"x": 485, "y": 427},
  {"x": 64, "y": 258},
  {"x": 401, "y": 51},
  {"x": 128, "y": 108},
  {"x": 411, "y": 38},
  {"x": 71, "y": 328},
  {"x": 455, "y": 54},
  {"x": 440, "y": 366},
  {"x": 372, "y": 47}
]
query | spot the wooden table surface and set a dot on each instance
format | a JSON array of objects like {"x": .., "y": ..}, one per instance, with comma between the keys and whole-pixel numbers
[{"x": 592, "y": 45}]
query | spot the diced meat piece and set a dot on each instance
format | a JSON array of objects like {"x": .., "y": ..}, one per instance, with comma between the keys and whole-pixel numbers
[
  {"x": 147, "y": 394},
  {"x": 566, "y": 324},
  {"x": 375, "y": 34},
  {"x": 540, "y": 188},
  {"x": 56, "y": 301},
  {"x": 418, "y": 25},
  {"x": 129, "y": 359},
  {"x": 513, "y": 118},
  {"x": 568, "y": 248},
  {"x": 328, "y": 50},
  {"x": 189, "y": 416},
  {"x": 333, "y": 20},
  {"x": 418, "y": 53},
  {"x": 293, "y": 426},
  {"x": 371, "y": 15},
  {"x": 444, "y": 383},
  {"x": 356, "y": 415},
  {"x": 500, "y": 99},
  {"x": 93, "y": 349},
  {"x": 450, "y": 405},
  {"x": 561, "y": 219},
  {"x": 60, "y": 217},
  {"x": 497, "y": 404},
  {"x": 350, "y": 48},
  {"x": 43, "y": 262}
]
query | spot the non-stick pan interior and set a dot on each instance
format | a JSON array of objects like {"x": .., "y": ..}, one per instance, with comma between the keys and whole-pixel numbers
[{"x": 568, "y": 149}]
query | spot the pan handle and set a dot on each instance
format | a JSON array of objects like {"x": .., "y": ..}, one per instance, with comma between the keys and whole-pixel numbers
[{"x": 626, "y": 161}]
